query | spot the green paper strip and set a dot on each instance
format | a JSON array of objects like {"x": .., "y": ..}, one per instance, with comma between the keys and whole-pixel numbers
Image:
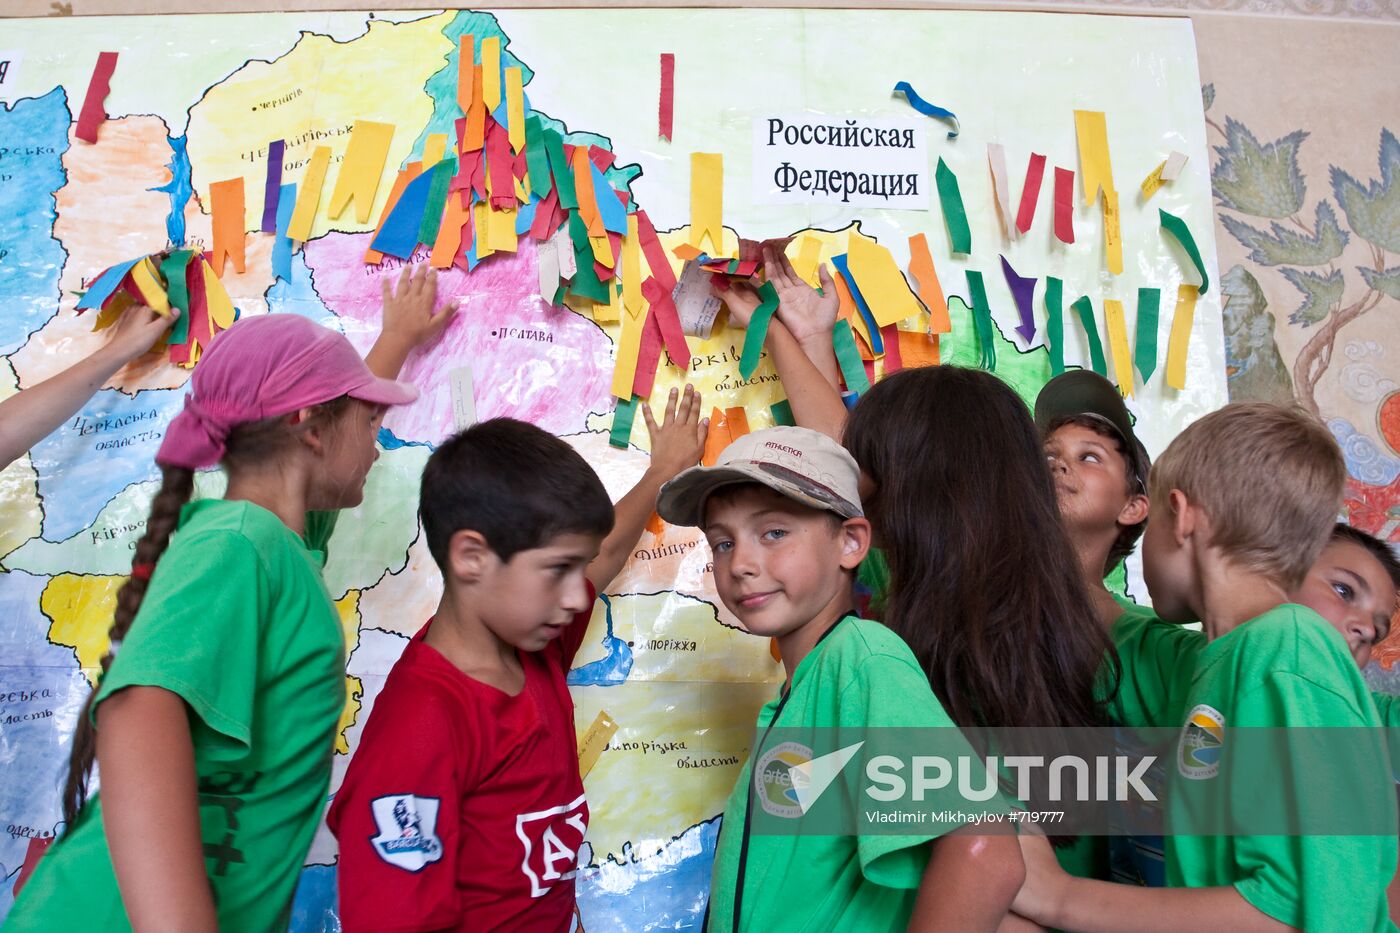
[
  {"x": 536, "y": 158},
  {"x": 757, "y": 331},
  {"x": 1085, "y": 309},
  {"x": 1145, "y": 351},
  {"x": 173, "y": 271},
  {"x": 848, "y": 358},
  {"x": 953, "y": 211},
  {"x": 437, "y": 201},
  {"x": 585, "y": 282},
  {"x": 563, "y": 174},
  {"x": 982, "y": 318},
  {"x": 782, "y": 413},
  {"x": 1177, "y": 228},
  {"x": 1055, "y": 323},
  {"x": 621, "y": 434}
]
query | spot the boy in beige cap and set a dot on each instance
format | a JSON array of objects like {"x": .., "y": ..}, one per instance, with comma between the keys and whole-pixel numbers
[{"x": 781, "y": 511}]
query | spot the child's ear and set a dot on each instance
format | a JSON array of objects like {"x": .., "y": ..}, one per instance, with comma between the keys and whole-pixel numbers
[
  {"x": 469, "y": 556},
  {"x": 311, "y": 433},
  {"x": 855, "y": 542},
  {"x": 1184, "y": 516},
  {"x": 1133, "y": 511}
]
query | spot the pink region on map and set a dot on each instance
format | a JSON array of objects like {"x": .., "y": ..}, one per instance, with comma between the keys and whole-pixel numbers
[{"x": 528, "y": 360}]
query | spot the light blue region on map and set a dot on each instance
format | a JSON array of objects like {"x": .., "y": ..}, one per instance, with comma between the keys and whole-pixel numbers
[
  {"x": 179, "y": 188},
  {"x": 35, "y": 733},
  {"x": 665, "y": 891},
  {"x": 110, "y": 444},
  {"x": 299, "y": 296},
  {"x": 608, "y": 671},
  {"x": 33, "y": 139}
]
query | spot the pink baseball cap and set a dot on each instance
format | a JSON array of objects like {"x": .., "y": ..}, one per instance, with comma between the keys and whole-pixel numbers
[{"x": 263, "y": 367}]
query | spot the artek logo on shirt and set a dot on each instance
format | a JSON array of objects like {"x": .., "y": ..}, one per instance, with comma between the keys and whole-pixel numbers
[
  {"x": 1201, "y": 744},
  {"x": 551, "y": 839},
  {"x": 407, "y": 830}
]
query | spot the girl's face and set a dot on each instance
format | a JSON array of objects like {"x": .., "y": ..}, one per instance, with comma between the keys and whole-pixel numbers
[{"x": 349, "y": 451}]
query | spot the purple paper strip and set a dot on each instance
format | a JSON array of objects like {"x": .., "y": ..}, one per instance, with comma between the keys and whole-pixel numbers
[
  {"x": 1022, "y": 292},
  {"x": 272, "y": 187}
]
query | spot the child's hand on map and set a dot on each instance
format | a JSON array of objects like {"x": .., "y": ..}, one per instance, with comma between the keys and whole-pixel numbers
[
  {"x": 679, "y": 440},
  {"x": 741, "y": 298},
  {"x": 136, "y": 332},
  {"x": 806, "y": 313},
  {"x": 410, "y": 312}
]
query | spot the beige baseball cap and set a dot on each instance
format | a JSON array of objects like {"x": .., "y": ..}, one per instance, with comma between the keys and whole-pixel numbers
[{"x": 803, "y": 465}]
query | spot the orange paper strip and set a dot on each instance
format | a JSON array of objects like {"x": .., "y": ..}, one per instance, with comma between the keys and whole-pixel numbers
[{"x": 226, "y": 204}]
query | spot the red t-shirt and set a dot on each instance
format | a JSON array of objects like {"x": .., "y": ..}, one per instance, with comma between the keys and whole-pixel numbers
[{"x": 463, "y": 808}]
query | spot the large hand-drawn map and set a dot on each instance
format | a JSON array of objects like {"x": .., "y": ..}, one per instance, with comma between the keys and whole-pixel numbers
[{"x": 198, "y": 99}]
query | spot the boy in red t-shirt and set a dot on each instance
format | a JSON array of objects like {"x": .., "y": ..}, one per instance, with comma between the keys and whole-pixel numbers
[{"x": 463, "y": 808}]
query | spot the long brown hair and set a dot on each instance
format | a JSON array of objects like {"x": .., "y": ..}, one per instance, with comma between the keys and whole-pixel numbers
[
  {"x": 247, "y": 444},
  {"x": 984, "y": 586}
]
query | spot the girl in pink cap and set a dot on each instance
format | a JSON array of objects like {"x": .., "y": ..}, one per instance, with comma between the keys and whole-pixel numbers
[{"x": 215, "y": 717}]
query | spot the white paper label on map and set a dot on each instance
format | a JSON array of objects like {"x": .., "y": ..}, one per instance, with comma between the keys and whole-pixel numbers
[
  {"x": 812, "y": 159},
  {"x": 695, "y": 303},
  {"x": 463, "y": 398}
]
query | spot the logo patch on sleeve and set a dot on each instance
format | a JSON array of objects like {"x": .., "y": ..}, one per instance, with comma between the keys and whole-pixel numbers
[{"x": 407, "y": 830}]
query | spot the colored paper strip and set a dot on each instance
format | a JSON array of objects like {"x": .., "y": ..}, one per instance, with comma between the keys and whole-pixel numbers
[
  {"x": 808, "y": 257},
  {"x": 1055, "y": 323},
  {"x": 782, "y": 413},
  {"x": 880, "y": 282},
  {"x": 144, "y": 276},
  {"x": 848, "y": 358},
  {"x": 272, "y": 185},
  {"x": 982, "y": 319},
  {"x": 103, "y": 286},
  {"x": 466, "y": 71},
  {"x": 1030, "y": 192},
  {"x": 536, "y": 158},
  {"x": 1178, "y": 229},
  {"x": 474, "y": 131},
  {"x": 894, "y": 359},
  {"x": 870, "y": 328},
  {"x": 648, "y": 358},
  {"x": 398, "y": 234},
  {"x": 1064, "y": 205},
  {"x": 707, "y": 201},
  {"x": 448, "y": 243},
  {"x": 1180, "y": 339},
  {"x": 626, "y": 412},
  {"x": 94, "y": 113},
  {"x": 226, "y": 206},
  {"x": 282, "y": 243},
  {"x": 1116, "y": 325},
  {"x": 629, "y": 341},
  {"x": 1095, "y": 167},
  {"x": 491, "y": 72},
  {"x": 667, "y": 107},
  {"x": 757, "y": 331},
  {"x": 927, "y": 109},
  {"x": 1112, "y": 233},
  {"x": 1153, "y": 181},
  {"x": 406, "y": 175},
  {"x": 309, "y": 194},
  {"x": 515, "y": 108},
  {"x": 668, "y": 319},
  {"x": 930, "y": 289},
  {"x": 1085, "y": 309},
  {"x": 657, "y": 259},
  {"x": 221, "y": 309},
  {"x": 1173, "y": 166},
  {"x": 437, "y": 200},
  {"x": 1001, "y": 191},
  {"x": 917, "y": 349},
  {"x": 362, "y": 168},
  {"x": 1023, "y": 293},
  {"x": 561, "y": 170},
  {"x": 612, "y": 204},
  {"x": 954, "y": 214},
  {"x": 1149, "y": 305}
]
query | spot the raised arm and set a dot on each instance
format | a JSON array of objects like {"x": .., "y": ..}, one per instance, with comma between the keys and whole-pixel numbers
[{"x": 410, "y": 319}]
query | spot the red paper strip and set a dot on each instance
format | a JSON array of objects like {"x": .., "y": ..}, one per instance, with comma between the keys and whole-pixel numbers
[
  {"x": 1030, "y": 192},
  {"x": 663, "y": 310},
  {"x": 668, "y": 94},
  {"x": 1064, "y": 205},
  {"x": 893, "y": 361},
  {"x": 94, "y": 113},
  {"x": 544, "y": 226},
  {"x": 500, "y": 162},
  {"x": 601, "y": 157},
  {"x": 655, "y": 252},
  {"x": 648, "y": 356}
]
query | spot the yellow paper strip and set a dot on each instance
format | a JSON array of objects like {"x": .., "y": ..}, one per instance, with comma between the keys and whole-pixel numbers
[
  {"x": 602, "y": 250},
  {"x": 116, "y": 306},
  {"x": 433, "y": 148},
  {"x": 216, "y": 298},
  {"x": 1153, "y": 181},
  {"x": 143, "y": 276},
  {"x": 632, "y": 268},
  {"x": 500, "y": 233},
  {"x": 309, "y": 194},
  {"x": 880, "y": 282},
  {"x": 1112, "y": 233},
  {"x": 481, "y": 223},
  {"x": 808, "y": 257},
  {"x": 515, "y": 109},
  {"x": 491, "y": 72},
  {"x": 594, "y": 741},
  {"x": 1117, "y": 326},
  {"x": 611, "y": 312},
  {"x": 707, "y": 201},
  {"x": 629, "y": 343},
  {"x": 361, "y": 169},
  {"x": 1180, "y": 340},
  {"x": 522, "y": 189},
  {"x": 1094, "y": 166}
]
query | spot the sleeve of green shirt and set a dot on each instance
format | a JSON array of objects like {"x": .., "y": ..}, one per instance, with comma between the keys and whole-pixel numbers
[
  {"x": 319, "y": 527},
  {"x": 197, "y": 635},
  {"x": 1150, "y": 651},
  {"x": 1294, "y": 878}
]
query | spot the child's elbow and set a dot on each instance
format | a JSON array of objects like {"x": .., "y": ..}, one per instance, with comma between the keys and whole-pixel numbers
[{"x": 998, "y": 863}]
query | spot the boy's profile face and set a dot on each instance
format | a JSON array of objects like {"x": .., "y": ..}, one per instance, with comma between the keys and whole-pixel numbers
[
  {"x": 1166, "y": 565},
  {"x": 778, "y": 563},
  {"x": 529, "y": 600},
  {"x": 1091, "y": 477},
  {"x": 1351, "y": 590}
]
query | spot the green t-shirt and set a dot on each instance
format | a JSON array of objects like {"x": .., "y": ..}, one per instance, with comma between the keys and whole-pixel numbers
[
  {"x": 860, "y": 675},
  {"x": 1157, "y": 659},
  {"x": 1284, "y": 669},
  {"x": 238, "y": 623}
]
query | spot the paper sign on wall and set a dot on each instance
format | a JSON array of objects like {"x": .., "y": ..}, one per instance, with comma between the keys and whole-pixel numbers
[{"x": 807, "y": 159}]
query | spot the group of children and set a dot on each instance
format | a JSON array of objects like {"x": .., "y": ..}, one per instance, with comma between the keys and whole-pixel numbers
[{"x": 984, "y": 533}]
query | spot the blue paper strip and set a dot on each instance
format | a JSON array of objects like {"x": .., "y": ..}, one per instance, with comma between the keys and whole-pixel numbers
[
  {"x": 927, "y": 109},
  {"x": 282, "y": 245},
  {"x": 877, "y": 344},
  {"x": 106, "y": 283},
  {"x": 613, "y": 211},
  {"x": 399, "y": 235}
]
